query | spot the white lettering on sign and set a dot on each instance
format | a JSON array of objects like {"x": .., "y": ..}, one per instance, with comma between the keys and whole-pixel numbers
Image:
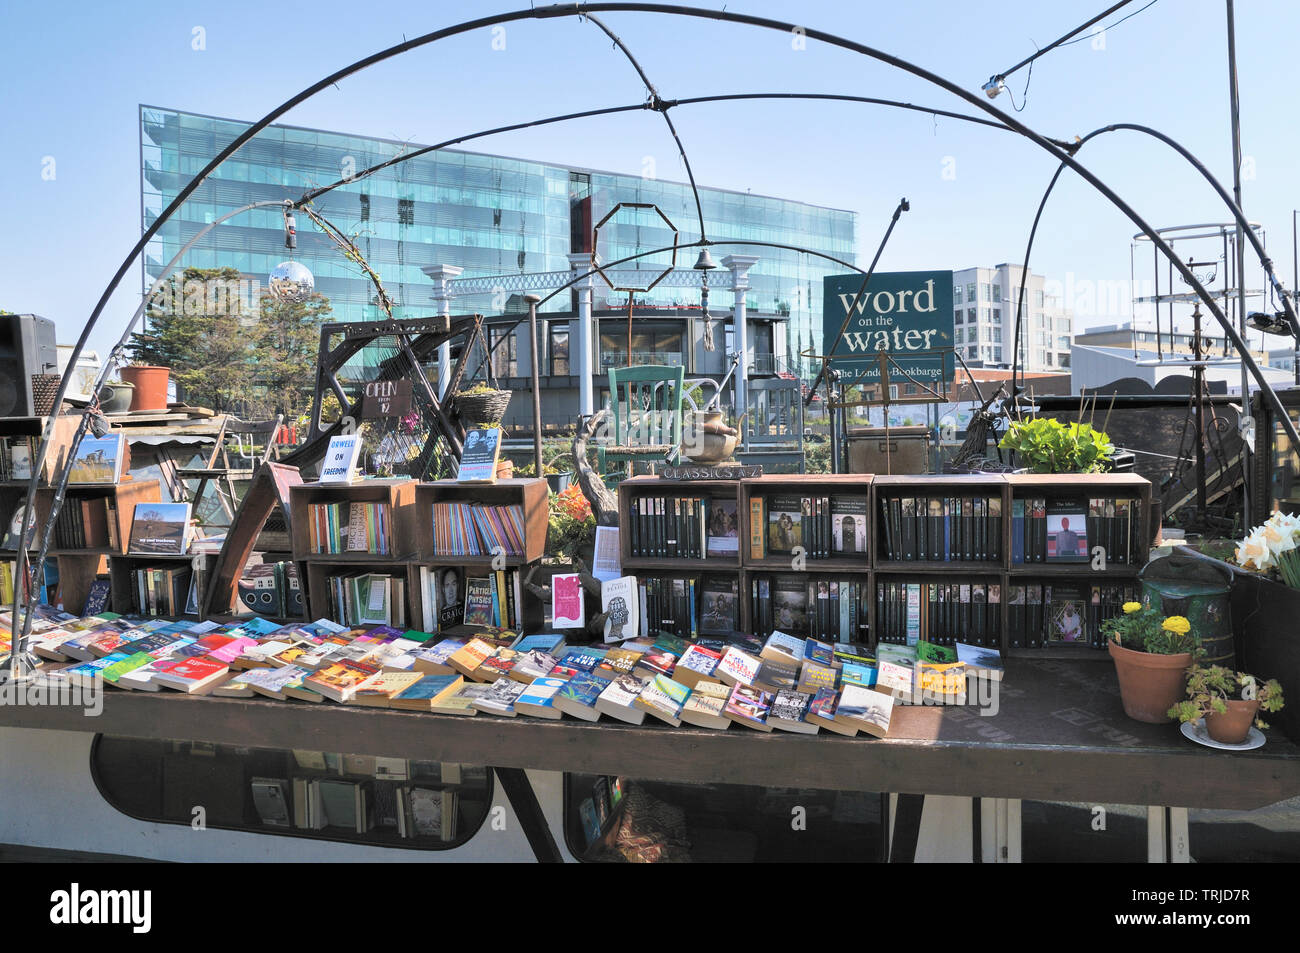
[{"x": 884, "y": 302}]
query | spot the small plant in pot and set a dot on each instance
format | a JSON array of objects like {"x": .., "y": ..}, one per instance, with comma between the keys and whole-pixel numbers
[
  {"x": 1152, "y": 653},
  {"x": 1228, "y": 701}
]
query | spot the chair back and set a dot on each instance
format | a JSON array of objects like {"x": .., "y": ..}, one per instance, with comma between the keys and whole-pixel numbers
[
  {"x": 647, "y": 405},
  {"x": 774, "y": 412}
]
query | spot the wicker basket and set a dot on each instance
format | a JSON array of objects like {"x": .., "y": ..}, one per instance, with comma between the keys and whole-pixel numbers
[
  {"x": 45, "y": 387},
  {"x": 488, "y": 407}
]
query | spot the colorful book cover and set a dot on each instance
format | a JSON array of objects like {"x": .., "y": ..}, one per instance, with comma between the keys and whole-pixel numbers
[
  {"x": 863, "y": 676},
  {"x": 115, "y": 671},
  {"x": 478, "y": 602},
  {"x": 583, "y": 689},
  {"x": 664, "y": 698},
  {"x": 705, "y": 702},
  {"x": 813, "y": 677},
  {"x": 737, "y": 667},
  {"x": 160, "y": 529},
  {"x": 540, "y": 695},
  {"x": 749, "y": 706},
  {"x": 932, "y": 652}
]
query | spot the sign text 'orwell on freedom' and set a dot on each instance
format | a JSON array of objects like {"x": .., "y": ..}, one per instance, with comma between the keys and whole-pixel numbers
[{"x": 905, "y": 313}]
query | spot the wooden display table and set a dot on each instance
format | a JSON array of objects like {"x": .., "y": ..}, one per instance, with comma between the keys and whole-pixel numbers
[{"x": 1059, "y": 735}]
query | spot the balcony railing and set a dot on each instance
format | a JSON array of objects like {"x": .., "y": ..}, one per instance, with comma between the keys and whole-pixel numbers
[{"x": 610, "y": 359}]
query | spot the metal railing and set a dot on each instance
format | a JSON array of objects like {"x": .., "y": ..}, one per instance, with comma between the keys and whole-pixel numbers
[{"x": 610, "y": 359}]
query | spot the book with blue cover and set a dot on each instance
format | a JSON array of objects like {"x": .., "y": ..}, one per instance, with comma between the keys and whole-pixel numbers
[
  {"x": 538, "y": 698},
  {"x": 578, "y": 695}
]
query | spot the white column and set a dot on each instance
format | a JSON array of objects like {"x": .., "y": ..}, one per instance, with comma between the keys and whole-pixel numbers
[
  {"x": 580, "y": 262},
  {"x": 739, "y": 266},
  {"x": 442, "y": 276}
]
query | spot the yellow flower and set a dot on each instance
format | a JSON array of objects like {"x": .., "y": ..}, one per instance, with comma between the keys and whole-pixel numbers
[
  {"x": 1176, "y": 623},
  {"x": 1131, "y": 607}
]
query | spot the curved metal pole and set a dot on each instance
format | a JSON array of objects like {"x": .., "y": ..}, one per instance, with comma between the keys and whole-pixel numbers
[
  {"x": 662, "y": 107},
  {"x": 667, "y": 9},
  {"x": 62, "y": 484},
  {"x": 1209, "y": 177}
]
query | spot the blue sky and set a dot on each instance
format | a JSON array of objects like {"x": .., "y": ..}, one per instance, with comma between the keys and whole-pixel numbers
[{"x": 75, "y": 74}]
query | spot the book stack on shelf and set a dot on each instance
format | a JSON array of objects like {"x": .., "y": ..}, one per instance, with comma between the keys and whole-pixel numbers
[
  {"x": 475, "y": 546},
  {"x": 1001, "y": 561},
  {"x": 94, "y": 519},
  {"x": 352, "y": 543}
]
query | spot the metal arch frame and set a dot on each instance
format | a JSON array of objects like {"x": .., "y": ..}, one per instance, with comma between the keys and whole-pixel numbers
[
  {"x": 580, "y": 10},
  {"x": 1156, "y": 237}
]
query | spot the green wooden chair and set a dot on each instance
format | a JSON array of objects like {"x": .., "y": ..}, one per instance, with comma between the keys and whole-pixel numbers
[{"x": 647, "y": 410}]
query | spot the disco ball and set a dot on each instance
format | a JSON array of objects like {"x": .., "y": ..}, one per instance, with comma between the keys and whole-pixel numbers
[{"x": 291, "y": 281}]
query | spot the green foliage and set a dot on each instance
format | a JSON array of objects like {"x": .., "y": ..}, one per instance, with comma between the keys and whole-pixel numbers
[
  {"x": 285, "y": 344},
  {"x": 1210, "y": 688},
  {"x": 1143, "y": 631},
  {"x": 225, "y": 358},
  {"x": 556, "y": 458},
  {"x": 1048, "y": 446}
]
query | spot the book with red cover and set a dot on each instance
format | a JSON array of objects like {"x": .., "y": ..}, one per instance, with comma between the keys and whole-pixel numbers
[
  {"x": 339, "y": 680},
  {"x": 191, "y": 675}
]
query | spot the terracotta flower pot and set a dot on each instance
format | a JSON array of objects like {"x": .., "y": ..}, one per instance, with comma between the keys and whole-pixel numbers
[
  {"x": 1232, "y": 726},
  {"x": 1149, "y": 685},
  {"x": 150, "y": 386}
]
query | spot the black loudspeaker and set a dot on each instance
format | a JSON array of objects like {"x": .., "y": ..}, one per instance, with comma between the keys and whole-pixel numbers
[{"x": 27, "y": 347}]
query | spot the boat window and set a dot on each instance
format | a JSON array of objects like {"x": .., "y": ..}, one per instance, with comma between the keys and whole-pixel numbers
[
  {"x": 361, "y": 799},
  {"x": 619, "y": 819}
]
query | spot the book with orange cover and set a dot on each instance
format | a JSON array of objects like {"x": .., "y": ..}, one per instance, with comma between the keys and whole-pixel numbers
[{"x": 339, "y": 680}]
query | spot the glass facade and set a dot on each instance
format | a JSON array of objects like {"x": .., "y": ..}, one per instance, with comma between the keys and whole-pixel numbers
[{"x": 487, "y": 214}]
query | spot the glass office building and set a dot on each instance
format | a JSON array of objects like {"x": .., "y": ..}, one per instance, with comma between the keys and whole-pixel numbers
[{"x": 487, "y": 214}]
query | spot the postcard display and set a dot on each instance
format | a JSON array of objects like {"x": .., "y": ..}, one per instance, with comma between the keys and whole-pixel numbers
[
  {"x": 1024, "y": 563},
  {"x": 93, "y": 527}
]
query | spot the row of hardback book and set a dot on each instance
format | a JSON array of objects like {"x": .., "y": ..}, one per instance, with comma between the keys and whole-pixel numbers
[
  {"x": 349, "y": 528},
  {"x": 782, "y": 682},
  {"x": 474, "y": 529},
  {"x": 818, "y": 527},
  {"x": 85, "y": 523},
  {"x": 820, "y": 607},
  {"x": 1043, "y": 615},
  {"x": 941, "y": 612},
  {"x": 942, "y": 529},
  {"x": 1046, "y": 531},
  {"x": 683, "y": 527}
]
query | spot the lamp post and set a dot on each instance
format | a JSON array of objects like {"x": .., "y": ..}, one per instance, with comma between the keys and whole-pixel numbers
[{"x": 532, "y": 300}]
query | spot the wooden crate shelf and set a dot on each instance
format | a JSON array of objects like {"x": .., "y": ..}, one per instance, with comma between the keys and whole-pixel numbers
[{"x": 873, "y": 565}]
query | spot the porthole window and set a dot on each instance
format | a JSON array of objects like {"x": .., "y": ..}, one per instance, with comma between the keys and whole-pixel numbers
[{"x": 360, "y": 799}]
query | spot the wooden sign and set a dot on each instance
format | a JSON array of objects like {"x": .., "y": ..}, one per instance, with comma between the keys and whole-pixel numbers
[
  {"x": 386, "y": 399},
  {"x": 719, "y": 471}
]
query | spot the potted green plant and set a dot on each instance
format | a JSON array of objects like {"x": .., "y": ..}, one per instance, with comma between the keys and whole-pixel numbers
[
  {"x": 1046, "y": 445},
  {"x": 1151, "y": 653},
  {"x": 1228, "y": 701}
]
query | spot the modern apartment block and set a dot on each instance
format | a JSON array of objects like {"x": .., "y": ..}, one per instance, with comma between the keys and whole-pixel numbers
[{"x": 984, "y": 305}]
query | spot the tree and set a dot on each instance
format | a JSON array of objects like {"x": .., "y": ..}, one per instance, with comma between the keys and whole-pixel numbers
[
  {"x": 286, "y": 341},
  {"x": 195, "y": 327}
]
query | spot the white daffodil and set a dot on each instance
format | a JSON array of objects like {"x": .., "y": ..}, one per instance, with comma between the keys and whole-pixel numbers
[{"x": 1254, "y": 553}]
